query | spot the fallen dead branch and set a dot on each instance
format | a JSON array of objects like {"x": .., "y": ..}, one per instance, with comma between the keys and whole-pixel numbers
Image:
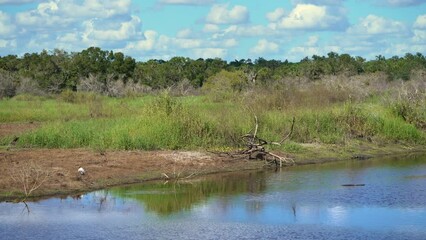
[{"x": 256, "y": 147}]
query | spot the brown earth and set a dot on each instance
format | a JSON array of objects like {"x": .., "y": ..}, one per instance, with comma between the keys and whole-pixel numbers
[
  {"x": 15, "y": 129},
  {"x": 56, "y": 169}
]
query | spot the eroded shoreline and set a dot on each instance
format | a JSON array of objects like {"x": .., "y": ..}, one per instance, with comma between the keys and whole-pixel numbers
[{"x": 105, "y": 169}]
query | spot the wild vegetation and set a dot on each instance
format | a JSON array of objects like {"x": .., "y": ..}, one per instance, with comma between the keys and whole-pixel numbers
[{"x": 104, "y": 100}]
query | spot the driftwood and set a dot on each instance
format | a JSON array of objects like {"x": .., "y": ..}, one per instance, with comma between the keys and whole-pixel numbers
[
  {"x": 256, "y": 147},
  {"x": 353, "y": 185}
]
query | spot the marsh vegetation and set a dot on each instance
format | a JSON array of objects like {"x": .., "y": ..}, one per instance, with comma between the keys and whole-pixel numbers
[
  {"x": 329, "y": 111},
  {"x": 107, "y": 101}
]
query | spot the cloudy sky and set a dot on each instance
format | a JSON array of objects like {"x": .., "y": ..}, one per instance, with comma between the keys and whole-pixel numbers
[{"x": 229, "y": 29}]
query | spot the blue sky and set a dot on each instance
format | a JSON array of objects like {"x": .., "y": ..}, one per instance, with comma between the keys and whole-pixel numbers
[{"x": 233, "y": 29}]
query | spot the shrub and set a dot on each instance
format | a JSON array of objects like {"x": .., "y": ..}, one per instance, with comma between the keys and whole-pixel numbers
[
  {"x": 224, "y": 85},
  {"x": 7, "y": 84}
]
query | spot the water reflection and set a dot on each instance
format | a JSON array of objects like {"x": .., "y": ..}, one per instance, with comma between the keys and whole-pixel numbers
[
  {"x": 170, "y": 197},
  {"x": 306, "y": 202}
]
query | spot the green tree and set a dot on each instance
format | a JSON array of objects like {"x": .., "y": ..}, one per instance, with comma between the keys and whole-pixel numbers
[{"x": 121, "y": 66}]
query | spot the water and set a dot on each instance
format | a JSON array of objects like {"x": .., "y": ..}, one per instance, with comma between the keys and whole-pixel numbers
[{"x": 306, "y": 202}]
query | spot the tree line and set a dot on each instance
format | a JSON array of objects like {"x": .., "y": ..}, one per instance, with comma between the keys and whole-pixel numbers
[{"x": 113, "y": 73}]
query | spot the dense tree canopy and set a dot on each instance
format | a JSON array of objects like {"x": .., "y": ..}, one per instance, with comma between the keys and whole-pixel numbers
[{"x": 58, "y": 70}]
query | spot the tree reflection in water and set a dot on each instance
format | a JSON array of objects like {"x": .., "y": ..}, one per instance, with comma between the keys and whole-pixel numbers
[{"x": 172, "y": 197}]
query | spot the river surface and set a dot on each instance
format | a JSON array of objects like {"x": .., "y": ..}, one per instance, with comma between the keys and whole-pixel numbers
[{"x": 304, "y": 202}]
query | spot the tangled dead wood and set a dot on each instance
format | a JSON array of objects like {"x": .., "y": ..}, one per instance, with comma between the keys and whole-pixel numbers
[
  {"x": 30, "y": 177},
  {"x": 256, "y": 147}
]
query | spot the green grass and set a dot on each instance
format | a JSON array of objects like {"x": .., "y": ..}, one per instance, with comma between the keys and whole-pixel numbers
[
  {"x": 40, "y": 109},
  {"x": 165, "y": 122}
]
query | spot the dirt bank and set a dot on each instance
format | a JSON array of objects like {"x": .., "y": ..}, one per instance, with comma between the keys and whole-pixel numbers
[{"x": 56, "y": 169}]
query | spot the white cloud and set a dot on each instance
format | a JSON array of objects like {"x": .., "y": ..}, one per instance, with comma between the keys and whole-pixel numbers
[
  {"x": 374, "y": 25},
  {"x": 40, "y": 41},
  {"x": 246, "y": 31},
  {"x": 311, "y": 47},
  {"x": 400, "y": 49},
  {"x": 371, "y": 41},
  {"x": 419, "y": 36},
  {"x": 210, "y": 53},
  {"x": 299, "y": 52},
  {"x": 73, "y": 11},
  {"x": 309, "y": 16},
  {"x": 264, "y": 46},
  {"x": 185, "y": 33},
  {"x": 65, "y": 13},
  {"x": 397, "y": 49},
  {"x": 319, "y": 2},
  {"x": 420, "y": 22},
  {"x": 229, "y": 43},
  {"x": 76, "y": 24},
  {"x": 220, "y": 14},
  {"x": 148, "y": 44},
  {"x": 46, "y": 15},
  {"x": 275, "y": 15},
  {"x": 125, "y": 31},
  {"x": 312, "y": 41},
  {"x": 187, "y": 2},
  {"x": 400, "y": 3},
  {"x": 47, "y": 8},
  {"x": 156, "y": 44},
  {"x": 211, "y": 28},
  {"x": 187, "y": 43},
  {"x": 94, "y": 8},
  {"x": 11, "y": 44},
  {"x": 68, "y": 38},
  {"x": 6, "y": 26},
  {"x": 16, "y": 2}
]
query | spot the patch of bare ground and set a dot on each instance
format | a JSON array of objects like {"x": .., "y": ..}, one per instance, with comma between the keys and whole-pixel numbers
[
  {"x": 15, "y": 129},
  {"x": 57, "y": 169},
  {"x": 105, "y": 169}
]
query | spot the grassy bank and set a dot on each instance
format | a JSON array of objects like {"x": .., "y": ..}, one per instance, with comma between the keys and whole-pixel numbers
[{"x": 81, "y": 120}]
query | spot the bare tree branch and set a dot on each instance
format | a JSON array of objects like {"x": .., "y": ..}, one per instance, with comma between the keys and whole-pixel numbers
[
  {"x": 288, "y": 135},
  {"x": 256, "y": 150}
]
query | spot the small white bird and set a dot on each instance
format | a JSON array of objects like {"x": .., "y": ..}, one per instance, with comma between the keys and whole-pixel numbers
[{"x": 81, "y": 171}]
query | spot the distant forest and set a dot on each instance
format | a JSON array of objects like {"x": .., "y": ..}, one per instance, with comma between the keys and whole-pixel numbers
[{"x": 114, "y": 74}]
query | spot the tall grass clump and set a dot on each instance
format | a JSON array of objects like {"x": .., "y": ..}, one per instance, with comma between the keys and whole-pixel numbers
[
  {"x": 73, "y": 134},
  {"x": 318, "y": 126},
  {"x": 356, "y": 122},
  {"x": 24, "y": 108},
  {"x": 396, "y": 130},
  {"x": 375, "y": 122},
  {"x": 148, "y": 133},
  {"x": 410, "y": 105},
  {"x": 164, "y": 123}
]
